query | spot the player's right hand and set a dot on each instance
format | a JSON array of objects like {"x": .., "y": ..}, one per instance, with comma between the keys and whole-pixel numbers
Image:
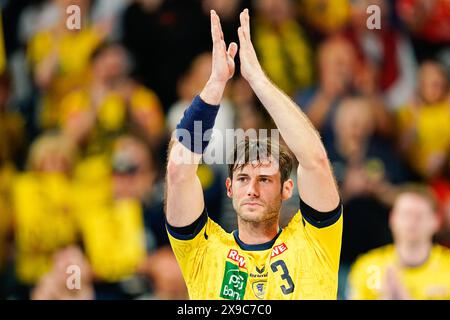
[{"x": 223, "y": 60}]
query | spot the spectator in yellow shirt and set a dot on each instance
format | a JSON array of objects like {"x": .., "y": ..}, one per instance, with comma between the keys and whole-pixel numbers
[
  {"x": 412, "y": 267},
  {"x": 284, "y": 51},
  {"x": 43, "y": 216},
  {"x": 111, "y": 218},
  {"x": 59, "y": 57},
  {"x": 111, "y": 103},
  {"x": 425, "y": 123}
]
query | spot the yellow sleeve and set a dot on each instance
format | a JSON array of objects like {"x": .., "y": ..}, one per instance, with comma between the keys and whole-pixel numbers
[
  {"x": 324, "y": 233},
  {"x": 39, "y": 46},
  {"x": 189, "y": 247}
]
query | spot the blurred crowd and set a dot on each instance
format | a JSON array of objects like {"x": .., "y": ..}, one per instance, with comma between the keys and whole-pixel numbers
[{"x": 86, "y": 116}]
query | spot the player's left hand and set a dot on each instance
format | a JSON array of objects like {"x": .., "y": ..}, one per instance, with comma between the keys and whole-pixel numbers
[{"x": 250, "y": 67}]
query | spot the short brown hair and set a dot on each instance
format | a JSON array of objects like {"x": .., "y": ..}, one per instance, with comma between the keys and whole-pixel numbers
[
  {"x": 423, "y": 191},
  {"x": 262, "y": 149}
]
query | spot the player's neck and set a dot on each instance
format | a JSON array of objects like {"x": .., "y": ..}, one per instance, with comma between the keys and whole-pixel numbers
[
  {"x": 258, "y": 232},
  {"x": 413, "y": 254}
]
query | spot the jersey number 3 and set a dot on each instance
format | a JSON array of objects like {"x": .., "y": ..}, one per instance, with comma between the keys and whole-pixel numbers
[{"x": 284, "y": 276}]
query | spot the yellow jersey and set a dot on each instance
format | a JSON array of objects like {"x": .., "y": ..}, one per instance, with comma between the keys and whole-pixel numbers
[
  {"x": 431, "y": 125},
  {"x": 431, "y": 280},
  {"x": 44, "y": 222},
  {"x": 301, "y": 262},
  {"x": 285, "y": 54},
  {"x": 112, "y": 230}
]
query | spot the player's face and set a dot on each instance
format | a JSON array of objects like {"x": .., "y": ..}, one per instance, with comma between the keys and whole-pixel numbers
[
  {"x": 257, "y": 193},
  {"x": 413, "y": 219}
]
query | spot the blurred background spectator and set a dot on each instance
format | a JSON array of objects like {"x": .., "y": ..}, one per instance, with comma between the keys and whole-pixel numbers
[
  {"x": 323, "y": 18},
  {"x": 339, "y": 75},
  {"x": 44, "y": 221},
  {"x": 122, "y": 225},
  {"x": 428, "y": 23},
  {"x": 86, "y": 115},
  {"x": 53, "y": 285},
  {"x": 283, "y": 49},
  {"x": 424, "y": 123},
  {"x": 59, "y": 56},
  {"x": 366, "y": 168},
  {"x": 386, "y": 54},
  {"x": 172, "y": 31},
  {"x": 412, "y": 267},
  {"x": 111, "y": 103}
]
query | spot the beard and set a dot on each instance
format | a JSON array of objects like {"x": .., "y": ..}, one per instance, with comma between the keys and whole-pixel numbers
[{"x": 256, "y": 214}]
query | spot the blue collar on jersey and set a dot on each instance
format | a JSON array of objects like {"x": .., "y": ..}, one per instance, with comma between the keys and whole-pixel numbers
[{"x": 255, "y": 247}]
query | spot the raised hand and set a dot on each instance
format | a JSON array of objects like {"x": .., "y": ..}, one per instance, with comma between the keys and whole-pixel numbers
[
  {"x": 222, "y": 64},
  {"x": 223, "y": 60},
  {"x": 250, "y": 68}
]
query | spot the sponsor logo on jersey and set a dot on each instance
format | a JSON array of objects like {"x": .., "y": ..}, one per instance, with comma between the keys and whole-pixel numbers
[
  {"x": 235, "y": 256},
  {"x": 260, "y": 272},
  {"x": 259, "y": 289},
  {"x": 234, "y": 282},
  {"x": 277, "y": 250}
]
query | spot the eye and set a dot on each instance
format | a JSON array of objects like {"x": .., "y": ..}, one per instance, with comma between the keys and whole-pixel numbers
[
  {"x": 264, "y": 180},
  {"x": 242, "y": 179}
]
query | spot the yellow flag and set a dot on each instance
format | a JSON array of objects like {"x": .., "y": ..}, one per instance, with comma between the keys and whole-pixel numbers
[{"x": 2, "y": 47}]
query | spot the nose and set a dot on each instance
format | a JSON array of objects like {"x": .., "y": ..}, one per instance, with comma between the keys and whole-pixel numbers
[{"x": 252, "y": 189}]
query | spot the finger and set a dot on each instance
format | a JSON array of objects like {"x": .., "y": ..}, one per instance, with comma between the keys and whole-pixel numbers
[
  {"x": 242, "y": 41},
  {"x": 219, "y": 25},
  {"x": 247, "y": 23},
  {"x": 215, "y": 31},
  {"x": 232, "y": 49},
  {"x": 223, "y": 46},
  {"x": 242, "y": 19}
]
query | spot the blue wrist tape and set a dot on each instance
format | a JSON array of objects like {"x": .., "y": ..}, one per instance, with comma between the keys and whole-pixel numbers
[{"x": 197, "y": 119}]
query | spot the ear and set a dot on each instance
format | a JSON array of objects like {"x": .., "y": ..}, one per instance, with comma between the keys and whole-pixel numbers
[
  {"x": 229, "y": 189},
  {"x": 436, "y": 220},
  {"x": 391, "y": 219},
  {"x": 286, "y": 191}
]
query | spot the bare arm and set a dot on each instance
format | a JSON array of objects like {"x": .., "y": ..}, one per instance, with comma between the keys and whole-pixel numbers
[
  {"x": 319, "y": 108},
  {"x": 184, "y": 194},
  {"x": 46, "y": 70},
  {"x": 316, "y": 185}
]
